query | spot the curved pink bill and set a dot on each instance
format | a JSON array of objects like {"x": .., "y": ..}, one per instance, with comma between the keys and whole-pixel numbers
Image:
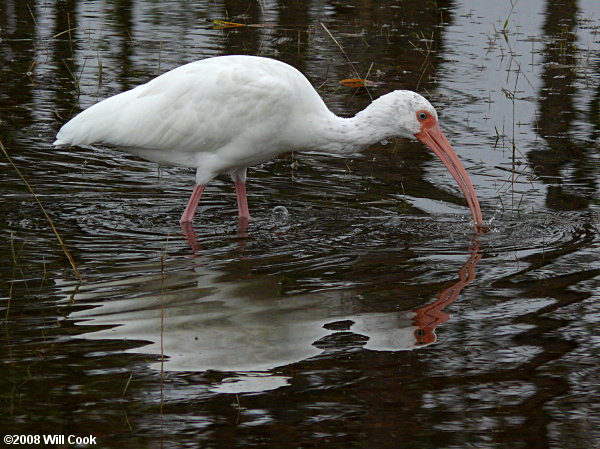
[{"x": 433, "y": 137}]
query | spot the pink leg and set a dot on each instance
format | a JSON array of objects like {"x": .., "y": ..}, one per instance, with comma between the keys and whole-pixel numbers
[
  {"x": 190, "y": 210},
  {"x": 240, "y": 191}
]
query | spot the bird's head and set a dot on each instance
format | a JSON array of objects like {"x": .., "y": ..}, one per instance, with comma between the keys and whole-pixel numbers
[{"x": 414, "y": 117}]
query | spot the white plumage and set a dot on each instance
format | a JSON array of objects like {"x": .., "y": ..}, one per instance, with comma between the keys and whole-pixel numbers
[{"x": 224, "y": 114}]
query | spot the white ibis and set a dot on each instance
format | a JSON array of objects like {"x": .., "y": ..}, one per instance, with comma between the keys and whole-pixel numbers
[{"x": 227, "y": 113}]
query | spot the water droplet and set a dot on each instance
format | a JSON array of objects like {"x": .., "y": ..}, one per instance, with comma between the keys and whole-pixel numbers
[{"x": 279, "y": 214}]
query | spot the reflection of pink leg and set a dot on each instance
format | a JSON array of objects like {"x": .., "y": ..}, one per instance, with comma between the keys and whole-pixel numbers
[
  {"x": 240, "y": 191},
  {"x": 190, "y": 210},
  {"x": 188, "y": 232}
]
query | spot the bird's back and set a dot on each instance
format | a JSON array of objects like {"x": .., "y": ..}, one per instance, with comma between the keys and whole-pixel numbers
[{"x": 200, "y": 107}]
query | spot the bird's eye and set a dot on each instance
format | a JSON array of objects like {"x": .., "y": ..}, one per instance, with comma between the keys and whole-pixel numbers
[{"x": 422, "y": 115}]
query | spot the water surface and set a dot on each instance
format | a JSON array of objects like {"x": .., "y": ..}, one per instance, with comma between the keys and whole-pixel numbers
[{"x": 369, "y": 315}]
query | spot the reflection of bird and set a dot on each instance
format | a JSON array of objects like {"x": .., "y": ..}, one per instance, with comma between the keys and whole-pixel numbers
[
  {"x": 224, "y": 114},
  {"x": 234, "y": 324},
  {"x": 428, "y": 317}
]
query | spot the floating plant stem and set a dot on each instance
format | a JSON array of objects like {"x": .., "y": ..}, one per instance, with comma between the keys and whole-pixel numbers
[
  {"x": 58, "y": 237},
  {"x": 163, "y": 255},
  {"x": 345, "y": 55}
]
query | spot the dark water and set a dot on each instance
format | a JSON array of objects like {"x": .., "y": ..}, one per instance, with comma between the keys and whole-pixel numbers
[{"x": 368, "y": 317}]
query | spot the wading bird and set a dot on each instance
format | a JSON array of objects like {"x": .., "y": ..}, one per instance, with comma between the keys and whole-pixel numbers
[{"x": 227, "y": 113}]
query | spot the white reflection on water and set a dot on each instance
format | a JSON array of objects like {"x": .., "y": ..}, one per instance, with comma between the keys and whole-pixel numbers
[{"x": 204, "y": 321}]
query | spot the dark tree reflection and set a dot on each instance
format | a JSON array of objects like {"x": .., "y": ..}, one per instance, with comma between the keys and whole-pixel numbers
[{"x": 566, "y": 158}]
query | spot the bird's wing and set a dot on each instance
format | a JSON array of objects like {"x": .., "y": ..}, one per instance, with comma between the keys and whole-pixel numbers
[{"x": 201, "y": 106}]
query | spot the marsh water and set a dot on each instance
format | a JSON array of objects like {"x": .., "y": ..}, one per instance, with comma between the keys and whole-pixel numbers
[{"x": 357, "y": 309}]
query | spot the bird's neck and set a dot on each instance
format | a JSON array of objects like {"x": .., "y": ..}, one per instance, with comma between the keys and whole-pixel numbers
[{"x": 341, "y": 135}]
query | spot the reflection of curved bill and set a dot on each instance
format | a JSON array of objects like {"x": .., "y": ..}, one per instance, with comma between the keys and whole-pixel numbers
[
  {"x": 204, "y": 322},
  {"x": 428, "y": 317},
  {"x": 398, "y": 331}
]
